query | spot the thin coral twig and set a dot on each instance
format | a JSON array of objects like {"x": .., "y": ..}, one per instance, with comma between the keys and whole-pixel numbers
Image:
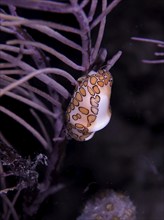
[
  {"x": 147, "y": 40},
  {"x": 43, "y": 129},
  {"x": 40, "y": 5},
  {"x": 7, "y": 30},
  {"x": 11, "y": 72},
  {"x": 100, "y": 33},
  {"x": 161, "y": 45},
  {"x": 25, "y": 124},
  {"x": 13, "y": 203},
  {"x": 4, "y": 140},
  {"x": 16, "y": 20},
  {"x": 2, "y": 178},
  {"x": 4, "y": 17},
  {"x": 6, "y": 190},
  {"x": 44, "y": 78},
  {"x": 50, "y": 50},
  {"x": 159, "y": 54},
  {"x": 15, "y": 49},
  {"x": 6, "y": 80},
  {"x": 36, "y": 203},
  {"x": 112, "y": 61},
  {"x": 153, "y": 61},
  {"x": 158, "y": 43},
  {"x": 110, "y": 7},
  {"x": 56, "y": 26},
  {"x": 84, "y": 3},
  {"x": 6, "y": 65},
  {"x": 35, "y": 73},
  {"x": 45, "y": 30},
  {"x": 11, "y": 207},
  {"x": 46, "y": 96},
  {"x": 92, "y": 10},
  {"x": 30, "y": 103},
  {"x": 56, "y": 35},
  {"x": 37, "y": 55},
  {"x": 85, "y": 34}
]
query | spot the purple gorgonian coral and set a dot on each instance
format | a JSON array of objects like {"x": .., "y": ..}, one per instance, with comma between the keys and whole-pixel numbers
[
  {"x": 45, "y": 46},
  {"x": 159, "y": 44}
]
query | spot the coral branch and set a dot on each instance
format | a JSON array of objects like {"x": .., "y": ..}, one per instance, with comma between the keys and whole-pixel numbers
[
  {"x": 147, "y": 40},
  {"x": 107, "y": 11},
  {"x": 43, "y": 129},
  {"x": 25, "y": 124},
  {"x": 16, "y": 20},
  {"x": 159, "y": 54},
  {"x": 158, "y": 43},
  {"x": 114, "y": 59},
  {"x": 32, "y": 89},
  {"x": 45, "y": 30},
  {"x": 31, "y": 103},
  {"x": 10, "y": 72},
  {"x": 92, "y": 10},
  {"x": 13, "y": 203},
  {"x": 49, "y": 50},
  {"x": 84, "y": 3},
  {"x": 85, "y": 34},
  {"x": 40, "y": 5},
  {"x": 153, "y": 61},
  {"x": 11, "y": 207},
  {"x": 7, "y": 30},
  {"x": 35, "y": 73},
  {"x": 100, "y": 33},
  {"x": 25, "y": 71},
  {"x": 15, "y": 49},
  {"x": 45, "y": 79}
]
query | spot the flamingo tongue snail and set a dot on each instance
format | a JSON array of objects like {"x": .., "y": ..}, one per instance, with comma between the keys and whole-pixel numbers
[{"x": 89, "y": 109}]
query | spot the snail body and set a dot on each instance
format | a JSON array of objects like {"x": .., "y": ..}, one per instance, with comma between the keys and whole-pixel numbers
[{"x": 89, "y": 109}]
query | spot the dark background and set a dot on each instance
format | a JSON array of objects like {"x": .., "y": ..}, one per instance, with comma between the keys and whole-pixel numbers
[{"x": 127, "y": 155}]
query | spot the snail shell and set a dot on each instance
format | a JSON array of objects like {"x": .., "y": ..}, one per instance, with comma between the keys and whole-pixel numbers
[{"x": 89, "y": 109}]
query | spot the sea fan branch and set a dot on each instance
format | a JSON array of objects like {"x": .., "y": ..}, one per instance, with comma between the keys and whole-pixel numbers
[
  {"x": 84, "y": 3},
  {"x": 148, "y": 40},
  {"x": 16, "y": 20},
  {"x": 44, "y": 95},
  {"x": 7, "y": 30},
  {"x": 35, "y": 73},
  {"x": 30, "y": 103},
  {"x": 110, "y": 7},
  {"x": 112, "y": 61},
  {"x": 25, "y": 124},
  {"x": 153, "y": 61},
  {"x": 100, "y": 33},
  {"x": 50, "y": 50},
  {"x": 45, "y": 79},
  {"x": 11, "y": 72},
  {"x": 85, "y": 34},
  {"x": 13, "y": 203},
  {"x": 29, "y": 59},
  {"x": 11, "y": 207},
  {"x": 158, "y": 43},
  {"x": 92, "y": 10},
  {"x": 6, "y": 65},
  {"x": 43, "y": 129},
  {"x": 44, "y": 29},
  {"x": 15, "y": 49},
  {"x": 40, "y": 5},
  {"x": 38, "y": 56},
  {"x": 159, "y": 54}
]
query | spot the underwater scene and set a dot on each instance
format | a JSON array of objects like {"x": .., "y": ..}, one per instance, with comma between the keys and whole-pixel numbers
[{"x": 82, "y": 110}]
